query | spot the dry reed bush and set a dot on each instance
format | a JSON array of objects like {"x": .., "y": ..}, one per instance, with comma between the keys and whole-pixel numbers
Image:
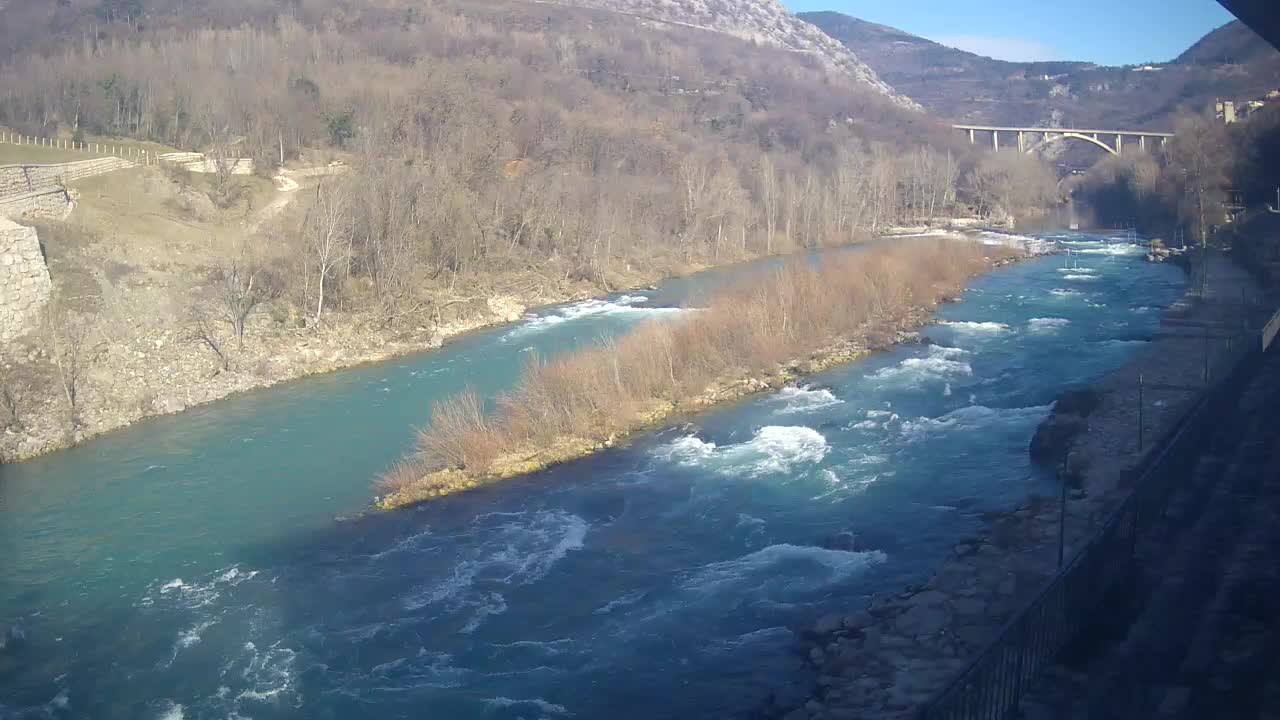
[
  {"x": 460, "y": 435},
  {"x": 597, "y": 393}
]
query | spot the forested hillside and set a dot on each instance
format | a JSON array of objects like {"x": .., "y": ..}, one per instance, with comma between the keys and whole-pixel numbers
[
  {"x": 535, "y": 131},
  {"x": 1232, "y": 62},
  {"x": 497, "y": 155}
]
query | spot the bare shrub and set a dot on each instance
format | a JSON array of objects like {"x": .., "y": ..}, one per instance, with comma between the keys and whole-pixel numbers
[
  {"x": 204, "y": 331},
  {"x": 67, "y": 336},
  {"x": 10, "y": 414},
  {"x": 461, "y": 434}
]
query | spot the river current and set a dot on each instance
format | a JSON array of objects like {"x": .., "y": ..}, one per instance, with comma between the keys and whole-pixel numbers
[{"x": 210, "y": 565}]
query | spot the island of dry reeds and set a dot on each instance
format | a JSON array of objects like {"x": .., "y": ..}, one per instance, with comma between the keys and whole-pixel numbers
[{"x": 807, "y": 316}]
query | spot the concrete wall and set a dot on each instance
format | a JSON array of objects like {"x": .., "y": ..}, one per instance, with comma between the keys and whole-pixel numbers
[{"x": 25, "y": 286}]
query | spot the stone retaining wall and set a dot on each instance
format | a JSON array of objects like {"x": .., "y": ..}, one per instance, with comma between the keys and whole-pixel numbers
[
  {"x": 25, "y": 286},
  {"x": 55, "y": 204},
  {"x": 18, "y": 179}
]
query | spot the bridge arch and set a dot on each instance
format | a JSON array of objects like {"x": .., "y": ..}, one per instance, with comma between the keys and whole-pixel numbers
[{"x": 1056, "y": 137}]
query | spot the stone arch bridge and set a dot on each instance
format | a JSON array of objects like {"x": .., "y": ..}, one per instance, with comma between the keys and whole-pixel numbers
[{"x": 1032, "y": 139}]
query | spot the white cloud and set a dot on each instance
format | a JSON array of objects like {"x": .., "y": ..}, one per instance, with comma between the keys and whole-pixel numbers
[{"x": 1014, "y": 49}]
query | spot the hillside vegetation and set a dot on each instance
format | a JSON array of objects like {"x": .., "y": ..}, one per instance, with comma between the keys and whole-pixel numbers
[
  {"x": 1231, "y": 62},
  {"x": 1211, "y": 184},
  {"x": 496, "y": 154}
]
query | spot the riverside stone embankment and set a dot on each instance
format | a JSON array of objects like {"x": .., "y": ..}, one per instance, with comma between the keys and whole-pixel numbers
[{"x": 887, "y": 659}]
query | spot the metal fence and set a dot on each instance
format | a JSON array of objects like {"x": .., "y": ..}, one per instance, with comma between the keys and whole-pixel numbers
[{"x": 994, "y": 683}]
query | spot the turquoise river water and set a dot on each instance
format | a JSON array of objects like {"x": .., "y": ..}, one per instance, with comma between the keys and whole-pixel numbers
[{"x": 200, "y": 566}]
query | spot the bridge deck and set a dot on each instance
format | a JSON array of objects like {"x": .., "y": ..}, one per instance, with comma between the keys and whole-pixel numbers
[{"x": 1135, "y": 133}]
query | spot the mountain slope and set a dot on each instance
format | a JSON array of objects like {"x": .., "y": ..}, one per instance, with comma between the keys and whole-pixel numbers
[
  {"x": 1231, "y": 62},
  {"x": 765, "y": 22}
]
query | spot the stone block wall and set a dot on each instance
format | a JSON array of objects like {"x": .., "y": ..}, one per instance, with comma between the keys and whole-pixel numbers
[
  {"x": 25, "y": 286},
  {"x": 18, "y": 179},
  {"x": 54, "y": 204}
]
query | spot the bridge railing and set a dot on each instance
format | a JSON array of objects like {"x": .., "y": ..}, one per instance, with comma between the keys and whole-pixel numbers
[{"x": 995, "y": 682}]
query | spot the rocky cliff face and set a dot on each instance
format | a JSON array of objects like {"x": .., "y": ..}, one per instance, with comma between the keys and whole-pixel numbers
[{"x": 765, "y": 22}]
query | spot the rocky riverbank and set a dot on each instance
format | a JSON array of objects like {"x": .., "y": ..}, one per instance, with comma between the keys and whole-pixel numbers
[
  {"x": 136, "y": 368},
  {"x": 164, "y": 371},
  {"x": 887, "y": 659}
]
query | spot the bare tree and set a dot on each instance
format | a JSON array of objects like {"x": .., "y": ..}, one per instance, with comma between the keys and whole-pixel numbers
[
  {"x": 768, "y": 196},
  {"x": 239, "y": 289},
  {"x": 204, "y": 330},
  {"x": 67, "y": 335},
  {"x": 326, "y": 231},
  {"x": 1196, "y": 158}
]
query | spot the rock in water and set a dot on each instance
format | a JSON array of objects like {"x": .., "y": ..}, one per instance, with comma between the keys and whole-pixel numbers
[
  {"x": 1081, "y": 402},
  {"x": 1055, "y": 436},
  {"x": 1058, "y": 432},
  {"x": 846, "y": 541}
]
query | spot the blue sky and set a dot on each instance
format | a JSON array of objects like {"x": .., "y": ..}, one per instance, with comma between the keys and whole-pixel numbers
[{"x": 1109, "y": 32}]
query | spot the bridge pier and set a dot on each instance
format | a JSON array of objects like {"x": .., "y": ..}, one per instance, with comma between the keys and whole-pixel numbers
[
  {"x": 1119, "y": 144},
  {"x": 1022, "y": 142},
  {"x": 972, "y": 141},
  {"x": 995, "y": 139}
]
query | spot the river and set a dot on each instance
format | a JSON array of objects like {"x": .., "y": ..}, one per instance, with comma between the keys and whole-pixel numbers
[{"x": 195, "y": 566}]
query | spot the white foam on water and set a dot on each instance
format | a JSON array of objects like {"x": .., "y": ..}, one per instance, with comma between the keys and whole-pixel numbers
[
  {"x": 774, "y": 449},
  {"x": 622, "y": 305},
  {"x": 1075, "y": 270},
  {"x": 984, "y": 328},
  {"x": 1123, "y": 343},
  {"x": 513, "y": 549},
  {"x": 192, "y": 635},
  {"x": 493, "y": 604},
  {"x": 771, "y": 635},
  {"x": 545, "y": 647},
  {"x": 1047, "y": 324},
  {"x": 627, "y": 600},
  {"x": 1079, "y": 277},
  {"x": 539, "y": 703},
  {"x": 854, "y": 482},
  {"x": 171, "y": 711},
  {"x": 779, "y": 572},
  {"x": 804, "y": 399},
  {"x": 1063, "y": 292},
  {"x": 198, "y": 593},
  {"x": 972, "y": 419},
  {"x": 269, "y": 673},
  {"x": 940, "y": 365},
  {"x": 426, "y": 669}
]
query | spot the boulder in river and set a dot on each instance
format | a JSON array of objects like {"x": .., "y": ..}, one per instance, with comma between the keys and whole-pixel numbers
[
  {"x": 846, "y": 541},
  {"x": 1058, "y": 432}
]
